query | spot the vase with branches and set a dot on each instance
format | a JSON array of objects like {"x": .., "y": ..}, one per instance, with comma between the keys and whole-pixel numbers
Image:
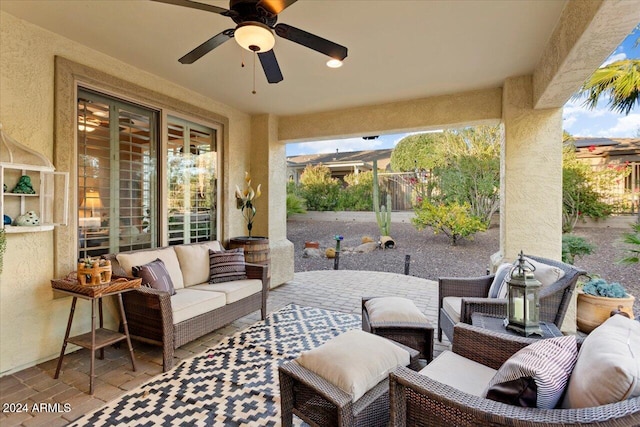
[{"x": 246, "y": 198}]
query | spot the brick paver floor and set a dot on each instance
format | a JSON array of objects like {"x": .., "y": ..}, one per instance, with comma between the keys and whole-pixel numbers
[{"x": 23, "y": 393}]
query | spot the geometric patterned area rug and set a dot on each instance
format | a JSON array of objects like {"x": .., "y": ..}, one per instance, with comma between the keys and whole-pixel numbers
[{"x": 234, "y": 383}]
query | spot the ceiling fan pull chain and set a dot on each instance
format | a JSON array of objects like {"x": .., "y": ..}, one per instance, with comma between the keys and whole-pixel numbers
[
  {"x": 242, "y": 58},
  {"x": 254, "y": 72}
]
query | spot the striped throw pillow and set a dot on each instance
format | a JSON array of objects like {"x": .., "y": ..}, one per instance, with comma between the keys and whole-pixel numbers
[
  {"x": 155, "y": 275},
  {"x": 537, "y": 375},
  {"x": 226, "y": 266}
]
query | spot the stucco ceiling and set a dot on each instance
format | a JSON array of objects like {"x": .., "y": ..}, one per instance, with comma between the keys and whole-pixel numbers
[{"x": 398, "y": 49}]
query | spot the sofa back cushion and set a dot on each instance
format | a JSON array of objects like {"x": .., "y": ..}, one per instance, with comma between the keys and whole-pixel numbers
[
  {"x": 608, "y": 366},
  {"x": 128, "y": 260},
  {"x": 194, "y": 261},
  {"x": 544, "y": 273}
]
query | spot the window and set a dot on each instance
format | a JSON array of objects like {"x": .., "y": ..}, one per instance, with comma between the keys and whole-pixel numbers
[
  {"x": 191, "y": 182},
  {"x": 117, "y": 146},
  {"x": 120, "y": 202}
]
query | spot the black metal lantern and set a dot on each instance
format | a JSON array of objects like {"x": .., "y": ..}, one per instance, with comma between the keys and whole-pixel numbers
[{"x": 523, "y": 304}]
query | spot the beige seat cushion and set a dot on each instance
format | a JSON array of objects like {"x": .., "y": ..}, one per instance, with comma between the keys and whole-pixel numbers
[
  {"x": 452, "y": 306},
  {"x": 188, "y": 303},
  {"x": 167, "y": 255},
  {"x": 458, "y": 372},
  {"x": 608, "y": 366},
  {"x": 194, "y": 261},
  {"x": 235, "y": 291},
  {"x": 354, "y": 361},
  {"x": 394, "y": 309}
]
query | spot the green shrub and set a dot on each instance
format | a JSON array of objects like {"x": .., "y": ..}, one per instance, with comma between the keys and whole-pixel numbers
[
  {"x": 633, "y": 240},
  {"x": 453, "y": 219},
  {"x": 295, "y": 205},
  {"x": 575, "y": 246},
  {"x": 600, "y": 288},
  {"x": 357, "y": 196},
  {"x": 319, "y": 190}
]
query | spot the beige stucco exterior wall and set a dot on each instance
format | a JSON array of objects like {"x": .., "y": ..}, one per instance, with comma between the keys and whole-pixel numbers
[
  {"x": 32, "y": 321},
  {"x": 269, "y": 166},
  {"x": 531, "y": 175}
]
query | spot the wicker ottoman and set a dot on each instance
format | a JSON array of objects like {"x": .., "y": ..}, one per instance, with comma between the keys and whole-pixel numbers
[
  {"x": 318, "y": 402},
  {"x": 413, "y": 330}
]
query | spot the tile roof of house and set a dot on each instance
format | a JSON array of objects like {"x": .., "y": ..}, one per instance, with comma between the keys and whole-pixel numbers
[{"x": 363, "y": 156}]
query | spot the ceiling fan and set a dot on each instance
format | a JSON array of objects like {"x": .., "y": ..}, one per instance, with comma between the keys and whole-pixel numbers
[{"x": 256, "y": 21}]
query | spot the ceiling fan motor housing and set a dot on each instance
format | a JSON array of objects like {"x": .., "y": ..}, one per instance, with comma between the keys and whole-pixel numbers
[{"x": 248, "y": 10}]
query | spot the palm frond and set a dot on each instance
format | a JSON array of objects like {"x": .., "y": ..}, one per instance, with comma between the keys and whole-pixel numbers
[{"x": 620, "y": 80}]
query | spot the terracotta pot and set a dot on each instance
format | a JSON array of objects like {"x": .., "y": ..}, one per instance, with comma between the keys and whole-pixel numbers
[
  {"x": 313, "y": 245},
  {"x": 592, "y": 310}
]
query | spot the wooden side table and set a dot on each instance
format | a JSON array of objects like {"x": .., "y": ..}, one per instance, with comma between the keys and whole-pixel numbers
[
  {"x": 496, "y": 324},
  {"x": 97, "y": 338}
]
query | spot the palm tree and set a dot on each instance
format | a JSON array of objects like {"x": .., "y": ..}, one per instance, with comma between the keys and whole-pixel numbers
[{"x": 620, "y": 80}]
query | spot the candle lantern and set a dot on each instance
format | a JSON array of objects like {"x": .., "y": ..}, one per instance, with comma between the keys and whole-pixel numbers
[{"x": 523, "y": 305}]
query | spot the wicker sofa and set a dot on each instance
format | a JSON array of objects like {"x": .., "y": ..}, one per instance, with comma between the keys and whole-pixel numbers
[
  {"x": 460, "y": 297},
  {"x": 197, "y": 307},
  {"x": 418, "y": 400}
]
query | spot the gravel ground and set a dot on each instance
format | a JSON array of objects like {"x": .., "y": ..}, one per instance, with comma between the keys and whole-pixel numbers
[{"x": 431, "y": 256}]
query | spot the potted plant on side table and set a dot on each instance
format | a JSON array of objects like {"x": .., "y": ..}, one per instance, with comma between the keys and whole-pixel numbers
[{"x": 598, "y": 300}]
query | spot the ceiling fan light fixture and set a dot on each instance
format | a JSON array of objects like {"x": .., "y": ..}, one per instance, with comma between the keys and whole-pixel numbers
[
  {"x": 254, "y": 37},
  {"x": 334, "y": 63},
  {"x": 87, "y": 124}
]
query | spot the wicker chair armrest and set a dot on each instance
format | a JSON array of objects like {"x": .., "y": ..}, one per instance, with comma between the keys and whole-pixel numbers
[
  {"x": 496, "y": 307},
  {"x": 464, "y": 286},
  {"x": 324, "y": 388},
  {"x": 435, "y": 403},
  {"x": 487, "y": 347}
]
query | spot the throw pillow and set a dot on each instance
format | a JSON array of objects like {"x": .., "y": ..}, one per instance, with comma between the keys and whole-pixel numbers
[
  {"x": 155, "y": 275},
  {"x": 354, "y": 361},
  {"x": 545, "y": 273},
  {"x": 537, "y": 375},
  {"x": 226, "y": 266},
  {"x": 498, "y": 286},
  {"x": 608, "y": 366},
  {"x": 394, "y": 309}
]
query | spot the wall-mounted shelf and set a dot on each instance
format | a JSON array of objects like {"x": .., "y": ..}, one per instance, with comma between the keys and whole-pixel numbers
[{"x": 17, "y": 161}]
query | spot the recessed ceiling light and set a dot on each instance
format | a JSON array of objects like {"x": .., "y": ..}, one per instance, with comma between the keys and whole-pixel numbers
[{"x": 334, "y": 63}]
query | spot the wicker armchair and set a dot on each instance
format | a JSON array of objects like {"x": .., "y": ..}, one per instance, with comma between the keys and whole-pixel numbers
[
  {"x": 554, "y": 299},
  {"x": 417, "y": 400}
]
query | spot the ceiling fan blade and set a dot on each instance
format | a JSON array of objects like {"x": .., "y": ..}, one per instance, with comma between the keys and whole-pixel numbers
[
  {"x": 270, "y": 66},
  {"x": 206, "y": 47},
  {"x": 311, "y": 41},
  {"x": 195, "y": 5},
  {"x": 275, "y": 6}
]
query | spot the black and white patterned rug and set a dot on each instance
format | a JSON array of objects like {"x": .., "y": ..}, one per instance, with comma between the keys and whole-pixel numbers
[{"x": 234, "y": 383}]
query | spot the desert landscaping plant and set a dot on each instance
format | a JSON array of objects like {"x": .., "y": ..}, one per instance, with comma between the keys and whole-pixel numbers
[
  {"x": 452, "y": 219},
  {"x": 383, "y": 213},
  {"x": 575, "y": 246},
  {"x": 319, "y": 189},
  {"x": 632, "y": 239}
]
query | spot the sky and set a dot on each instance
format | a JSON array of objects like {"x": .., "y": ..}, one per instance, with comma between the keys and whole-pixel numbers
[{"x": 577, "y": 119}]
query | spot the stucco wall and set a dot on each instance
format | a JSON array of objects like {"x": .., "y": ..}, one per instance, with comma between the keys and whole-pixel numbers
[{"x": 32, "y": 322}]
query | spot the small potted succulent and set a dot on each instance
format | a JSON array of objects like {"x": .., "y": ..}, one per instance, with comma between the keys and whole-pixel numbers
[{"x": 598, "y": 300}]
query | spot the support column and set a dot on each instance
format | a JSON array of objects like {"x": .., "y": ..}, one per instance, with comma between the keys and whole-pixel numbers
[
  {"x": 531, "y": 175},
  {"x": 269, "y": 168}
]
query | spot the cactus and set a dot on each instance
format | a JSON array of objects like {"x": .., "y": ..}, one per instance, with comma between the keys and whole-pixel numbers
[{"x": 383, "y": 213}]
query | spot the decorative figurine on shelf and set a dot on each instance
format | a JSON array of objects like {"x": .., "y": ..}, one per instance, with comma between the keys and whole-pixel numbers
[
  {"x": 4, "y": 188},
  {"x": 24, "y": 186},
  {"x": 29, "y": 219},
  {"x": 7, "y": 220}
]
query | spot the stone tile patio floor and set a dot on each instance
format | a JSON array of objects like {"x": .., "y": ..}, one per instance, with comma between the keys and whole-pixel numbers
[{"x": 333, "y": 290}]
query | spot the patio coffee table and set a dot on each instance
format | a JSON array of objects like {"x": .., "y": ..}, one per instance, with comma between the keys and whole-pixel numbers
[{"x": 496, "y": 324}]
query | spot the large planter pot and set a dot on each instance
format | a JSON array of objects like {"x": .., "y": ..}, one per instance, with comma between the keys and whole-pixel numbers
[
  {"x": 592, "y": 310},
  {"x": 256, "y": 250}
]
